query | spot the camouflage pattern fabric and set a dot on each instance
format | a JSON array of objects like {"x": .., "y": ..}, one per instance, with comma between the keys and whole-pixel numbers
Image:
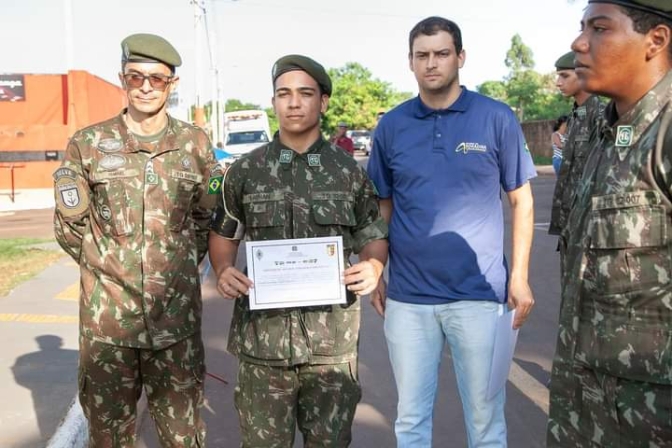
[
  {"x": 582, "y": 132},
  {"x": 321, "y": 398},
  {"x": 275, "y": 193},
  {"x": 135, "y": 217},
  {"x": 297, "y": 365},
  {"x": 111, "y": 381},
  {"x": 611, "y": 382}
]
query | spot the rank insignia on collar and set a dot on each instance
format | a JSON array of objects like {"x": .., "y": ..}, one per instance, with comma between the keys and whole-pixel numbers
[
  {"x": 285, "y": 156},
  {"x": 624, "y": 136},
  {"x": 314, "y": 160}
]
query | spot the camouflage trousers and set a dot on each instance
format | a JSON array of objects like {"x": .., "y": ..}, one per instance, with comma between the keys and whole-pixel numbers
[
  {"x": 111, "y": 379},
  {"x": 595, "y": 410},
  {"x": 320, "y": 399}
]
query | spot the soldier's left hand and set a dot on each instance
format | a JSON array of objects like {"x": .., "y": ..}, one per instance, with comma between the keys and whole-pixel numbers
[
  {"x": 362, "y": 278},
  {"x": 520, "y": 299}
]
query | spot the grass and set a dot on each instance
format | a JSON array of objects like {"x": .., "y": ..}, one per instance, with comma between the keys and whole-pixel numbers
[
  {"x": 542, "y": 160},
  {"x": 20, "y": 262}
]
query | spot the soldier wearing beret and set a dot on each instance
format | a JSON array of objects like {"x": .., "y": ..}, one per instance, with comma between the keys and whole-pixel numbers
[
  {"x": 297, "y": 366},
  {"x": 134, "y": 199},
  {"x": 611, "y": 383},
  {"x": 582, "y": 129}
]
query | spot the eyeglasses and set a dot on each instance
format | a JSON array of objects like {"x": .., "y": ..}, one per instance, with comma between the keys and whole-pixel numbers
[{"x": 156, "y": 80}]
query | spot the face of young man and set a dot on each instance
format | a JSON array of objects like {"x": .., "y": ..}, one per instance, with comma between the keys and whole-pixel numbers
[
  {"x": 567, "y": 82},
  {"x": 435, "y": 63},
  {"x": 148, "y": 86},
  {"x": 298, "y": 103},
  {"x": 609, "y": 52}
]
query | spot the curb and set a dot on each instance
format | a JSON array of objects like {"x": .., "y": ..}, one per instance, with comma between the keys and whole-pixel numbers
[{"x": 73, "y": 431}]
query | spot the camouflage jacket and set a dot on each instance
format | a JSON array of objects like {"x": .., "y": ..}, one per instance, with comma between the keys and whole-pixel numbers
[
  {"x": 617, "y": 269},
  {"x": 275, "y": 193},
  {"x": 582, "y": 131},
  {"x": 136, "y": 218}
]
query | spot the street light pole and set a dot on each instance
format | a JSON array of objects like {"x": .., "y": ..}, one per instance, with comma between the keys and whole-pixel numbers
[{"x": 199, "y": 115}]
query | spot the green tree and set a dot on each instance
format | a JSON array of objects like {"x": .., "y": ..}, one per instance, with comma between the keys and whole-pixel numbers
[
  {"x": 357, "y": 98},
  {"x": 519, "y": 56},
  {"x": 233, "y": 105},
  {"x": 532, "y": 95}
]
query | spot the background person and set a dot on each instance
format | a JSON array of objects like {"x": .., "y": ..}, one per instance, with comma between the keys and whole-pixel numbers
[
  {"x": 342, "y": 140},
  {"x": 133, "y": 209},
  {"x": 582, "y": 128},
  {"x": 558, "y": 138},
  {"x": 297, "y": 365}
]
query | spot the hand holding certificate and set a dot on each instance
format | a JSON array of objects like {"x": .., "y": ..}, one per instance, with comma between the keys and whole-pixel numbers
[{"x": 296, "y": 272}]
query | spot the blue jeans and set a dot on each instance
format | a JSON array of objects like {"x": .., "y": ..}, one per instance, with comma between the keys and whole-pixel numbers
[
  {"x": 415, "y": 337},
  {"x": 557, "y": 161}
]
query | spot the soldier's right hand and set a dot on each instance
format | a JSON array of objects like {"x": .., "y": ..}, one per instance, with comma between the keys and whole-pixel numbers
[{"x": 232, "y": 283}]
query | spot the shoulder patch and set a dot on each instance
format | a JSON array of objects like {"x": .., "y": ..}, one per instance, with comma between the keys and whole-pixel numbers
[{"x": 71, "y": 197}]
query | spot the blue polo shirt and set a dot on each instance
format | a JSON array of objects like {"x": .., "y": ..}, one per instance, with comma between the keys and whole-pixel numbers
[{"x": 444, "y": 170}]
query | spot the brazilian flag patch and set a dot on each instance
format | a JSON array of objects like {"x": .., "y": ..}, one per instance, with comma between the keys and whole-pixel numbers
[{"x": 215, "y": 185}]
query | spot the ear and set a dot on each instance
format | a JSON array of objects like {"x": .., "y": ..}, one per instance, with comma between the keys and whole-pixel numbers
[
  {"x": 410, "y": 61},
  {"x": 324, "y": 104},
  {"x": 658, "y": 41},
  {"x": 122, "y": 80},
  {"x": 273, "y": 104},
  {"x": 462, "y": 57}
]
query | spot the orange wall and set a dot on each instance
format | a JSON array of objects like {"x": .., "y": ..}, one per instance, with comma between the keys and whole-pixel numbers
[
  {"x": 28, "y": 175},
  {"x": 55, "y": 107}
]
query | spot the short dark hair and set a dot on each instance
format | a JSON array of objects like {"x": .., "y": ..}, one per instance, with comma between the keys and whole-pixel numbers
[
  {"x": 561, "y": 119},
  {"x": 643, "y": 22},
  {"x": 431, "y": 26}
]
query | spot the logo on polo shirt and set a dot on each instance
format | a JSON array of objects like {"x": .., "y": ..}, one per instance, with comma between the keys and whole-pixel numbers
[{"x": 466, "y": 147}]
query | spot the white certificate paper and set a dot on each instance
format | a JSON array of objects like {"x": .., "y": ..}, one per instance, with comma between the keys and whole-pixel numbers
[
  {"x": 296, "y": 272},
  {"x": 505, "y": 345}
]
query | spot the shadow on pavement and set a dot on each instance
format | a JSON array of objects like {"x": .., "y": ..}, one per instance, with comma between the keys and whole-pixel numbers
[{"x": 39, "y": 370}]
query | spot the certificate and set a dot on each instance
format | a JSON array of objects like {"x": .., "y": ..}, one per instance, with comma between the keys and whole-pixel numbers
[{"x": 296, "y": 272}]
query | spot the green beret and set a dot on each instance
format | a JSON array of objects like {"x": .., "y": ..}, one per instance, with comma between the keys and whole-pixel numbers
[
  {"x": 566, "y": 62},
  {"x": 298, "y": 62},
  {"x": 662, "y": 8},
  {"x": 149, "y": 48}
]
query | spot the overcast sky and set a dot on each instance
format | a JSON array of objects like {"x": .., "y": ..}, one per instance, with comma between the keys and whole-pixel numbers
[{"x": 252, "y": 34}]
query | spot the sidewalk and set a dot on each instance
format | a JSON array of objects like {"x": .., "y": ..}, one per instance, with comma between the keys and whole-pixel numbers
[
  {"x": 38, "y": 362},
  {"x": 26, "y": 199}
]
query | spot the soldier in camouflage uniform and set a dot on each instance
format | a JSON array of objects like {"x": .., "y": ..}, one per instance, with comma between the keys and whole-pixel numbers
[
  {"x": 582, "y": 129},
  {"x": 133, "y": 210},
  {"x": 297, "y": 365},
  {"x": 612, "y": 374}
]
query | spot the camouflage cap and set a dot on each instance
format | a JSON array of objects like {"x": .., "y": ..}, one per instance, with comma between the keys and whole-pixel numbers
[
  {"x": 149, "y": 48},
  {"x": 566, "y": 62},
  {"x": 661, "y": 8},
  {"x": 298, "y": 62}
]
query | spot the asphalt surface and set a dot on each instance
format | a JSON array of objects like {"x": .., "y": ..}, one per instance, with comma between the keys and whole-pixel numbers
[{"x": 38, "y": 362}]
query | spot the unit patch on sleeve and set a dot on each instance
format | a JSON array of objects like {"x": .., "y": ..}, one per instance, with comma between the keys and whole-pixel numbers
[{"x": 71, "y": 197}]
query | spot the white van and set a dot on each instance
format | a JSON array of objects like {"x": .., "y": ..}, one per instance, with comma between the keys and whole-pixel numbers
[{"x": 245, "y": 130}]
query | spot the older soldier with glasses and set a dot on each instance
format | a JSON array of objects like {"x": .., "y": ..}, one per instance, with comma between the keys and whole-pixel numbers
[
  {"x": 611, "y": 384},
  {"x": 134, "y": 199}
]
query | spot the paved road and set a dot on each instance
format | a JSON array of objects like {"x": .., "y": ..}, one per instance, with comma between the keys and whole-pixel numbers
[
  {"x": 527, "y": 403},
  {"x": 41, "y": 314}
]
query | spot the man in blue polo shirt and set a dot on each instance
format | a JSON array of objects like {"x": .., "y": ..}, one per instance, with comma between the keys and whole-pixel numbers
[{"x": 439, "y": 162}]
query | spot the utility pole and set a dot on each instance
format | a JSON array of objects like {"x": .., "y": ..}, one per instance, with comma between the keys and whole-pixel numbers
[
  {"x": 71, "y": 118},
  {"x": 199, "y": 13},
  {"x": 216, "y": 112}
]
